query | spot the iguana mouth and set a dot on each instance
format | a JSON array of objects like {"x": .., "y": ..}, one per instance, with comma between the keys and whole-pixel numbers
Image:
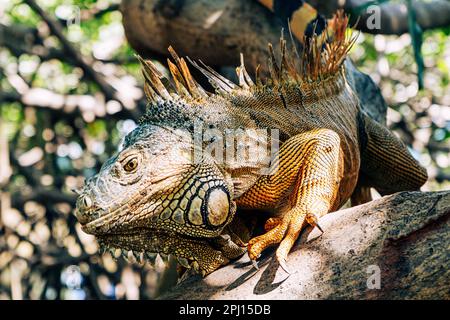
[
  {"x": 132, "y": 247},
  {"x": 148, "y": 245},
  {"x": 203, "y": 247}
]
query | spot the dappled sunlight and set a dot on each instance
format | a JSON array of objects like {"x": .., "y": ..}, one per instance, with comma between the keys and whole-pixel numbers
[
  {"x": 360, "y": 232},
  {"x": 419, "y": 118}
]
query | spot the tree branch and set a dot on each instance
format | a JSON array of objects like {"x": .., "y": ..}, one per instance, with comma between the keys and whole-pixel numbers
[
  {"x": 56, "y": 28},
  {"x": 394, "y": 16},
  {"x": 96, "y": 12},
  {"x": 399, "y": 242},
  {"x": 66, "y": 104},
  {"x": 43, "y": 195},
  {"x": 84, "y": 63}
]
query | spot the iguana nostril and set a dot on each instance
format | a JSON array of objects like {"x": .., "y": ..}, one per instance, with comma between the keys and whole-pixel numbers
[
  {"x": 83, "y": 211},
  {"x": 218, "y": 206},
  {"x": 84, "y": 202},
  {"x": 87, "y": 201}
]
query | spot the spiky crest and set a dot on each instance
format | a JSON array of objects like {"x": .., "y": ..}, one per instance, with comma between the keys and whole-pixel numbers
[{"x": 314, "y": 64}]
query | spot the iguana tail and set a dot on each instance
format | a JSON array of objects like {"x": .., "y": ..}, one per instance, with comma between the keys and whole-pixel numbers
[{"x": 304, "y": 20}]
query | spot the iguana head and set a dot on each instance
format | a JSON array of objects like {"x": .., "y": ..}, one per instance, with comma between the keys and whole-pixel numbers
[{"x": 153, "y": 198}]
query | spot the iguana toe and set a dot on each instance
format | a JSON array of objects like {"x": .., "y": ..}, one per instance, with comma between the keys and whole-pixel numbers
[
  {"x": 313, "y": 221},
  {"x": 272, "y": 223},
  {"x": 258, "y": 244},
  {"x": 284, "y": 266}
]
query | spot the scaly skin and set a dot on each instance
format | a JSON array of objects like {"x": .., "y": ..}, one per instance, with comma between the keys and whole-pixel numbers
[{"x": 157, "y": 196}]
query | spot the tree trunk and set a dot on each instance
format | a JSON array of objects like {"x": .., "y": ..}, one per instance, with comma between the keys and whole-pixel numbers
[{"x": 396, "y": 247}]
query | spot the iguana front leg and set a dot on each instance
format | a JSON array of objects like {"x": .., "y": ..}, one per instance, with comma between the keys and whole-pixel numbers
[{"x": 307, "y": 173}]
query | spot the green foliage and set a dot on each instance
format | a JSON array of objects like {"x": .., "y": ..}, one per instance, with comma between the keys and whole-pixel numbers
[
  {"x": 414, "y": 30},
  {"x": 20, "y": 13},
  {"x": 97, "y": 129},
  {"x": 12, "y": 115}
]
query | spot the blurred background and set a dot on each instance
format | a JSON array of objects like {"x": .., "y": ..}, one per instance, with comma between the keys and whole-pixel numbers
[{"x": 71, "y": 89}]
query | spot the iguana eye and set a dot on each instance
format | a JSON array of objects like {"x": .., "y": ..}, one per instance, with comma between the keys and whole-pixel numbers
[{"x": 131, "y": 165}]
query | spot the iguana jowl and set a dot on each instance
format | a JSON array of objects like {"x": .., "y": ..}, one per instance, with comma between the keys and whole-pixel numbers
[{"x": 152, "y": 197}]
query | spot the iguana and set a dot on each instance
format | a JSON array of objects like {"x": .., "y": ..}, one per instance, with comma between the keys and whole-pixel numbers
[{"x": 164, "y": 194}]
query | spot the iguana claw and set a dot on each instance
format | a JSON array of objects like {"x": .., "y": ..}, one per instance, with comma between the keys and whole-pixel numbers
[
  {"x": 284, "y": 266},
  {"x": 254, "y": 264},
  {"x": 314, "y": 221},
  {"x": 319, "y": 227}
]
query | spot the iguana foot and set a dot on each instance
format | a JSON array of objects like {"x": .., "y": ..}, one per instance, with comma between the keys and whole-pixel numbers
[
  {"x": 314, "y": 180},
  {"x": 254, "y": 248},
  {"x": 284, "y": 231},
  {"x": 258, "y": 244}
]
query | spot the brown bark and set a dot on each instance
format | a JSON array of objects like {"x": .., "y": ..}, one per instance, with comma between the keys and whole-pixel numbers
[
  {"x": 405, "y": 235},
  {"x": 394, "y": 16}
]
